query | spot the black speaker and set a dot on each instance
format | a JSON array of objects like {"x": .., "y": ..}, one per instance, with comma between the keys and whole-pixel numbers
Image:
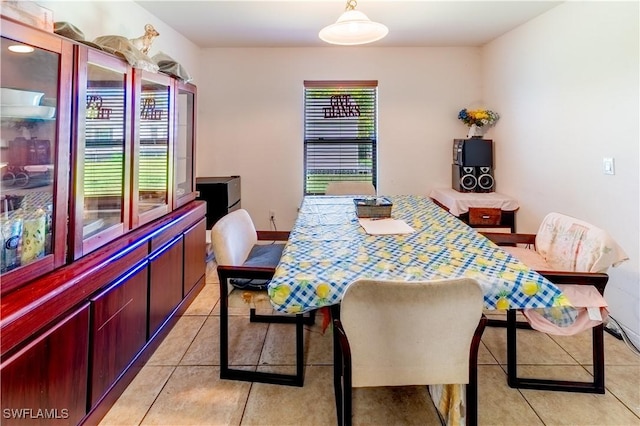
[
  {"x": 474, "y": 152},
  {"x": 472, "y": 179},
  {"x": 463, "y": 179},
  {"x": 484, "y": 175}
]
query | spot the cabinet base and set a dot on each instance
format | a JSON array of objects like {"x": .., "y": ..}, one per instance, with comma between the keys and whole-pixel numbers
[{"x": 106, "y": 402}]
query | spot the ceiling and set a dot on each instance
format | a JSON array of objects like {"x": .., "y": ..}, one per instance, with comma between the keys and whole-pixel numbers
[{"x": 296, "y": 23}]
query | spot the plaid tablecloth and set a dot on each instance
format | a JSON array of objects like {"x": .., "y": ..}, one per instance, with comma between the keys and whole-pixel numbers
[{"x": 328, "y": 249}]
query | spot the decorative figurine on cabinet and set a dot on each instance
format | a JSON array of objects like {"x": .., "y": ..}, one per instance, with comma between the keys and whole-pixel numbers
[{"x": 143, "y": 43}]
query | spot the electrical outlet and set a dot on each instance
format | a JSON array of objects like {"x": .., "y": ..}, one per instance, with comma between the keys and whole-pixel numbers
[
  {"x": 272, "y": 215},
  {"x": 608, "y": 167}
]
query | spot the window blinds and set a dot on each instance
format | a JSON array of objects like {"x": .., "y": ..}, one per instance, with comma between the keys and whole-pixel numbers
[{"x": 340, "y": 133}]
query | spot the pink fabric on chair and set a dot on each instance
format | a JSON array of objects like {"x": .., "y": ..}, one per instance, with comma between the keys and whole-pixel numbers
[
  {"x": 564, "y": 243},
  {"x": 581, "y": 297},
  {"x": 569, "y": 244},
  {"x": 529, "y": 257}
]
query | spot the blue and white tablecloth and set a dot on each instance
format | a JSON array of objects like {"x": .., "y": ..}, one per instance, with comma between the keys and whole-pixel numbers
[{"x": 328, "y": 249}]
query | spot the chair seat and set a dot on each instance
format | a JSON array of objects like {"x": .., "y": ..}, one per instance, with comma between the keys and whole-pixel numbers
[
  {"x": 529, "y": 257},
  {"x": 261, "y": 255}
]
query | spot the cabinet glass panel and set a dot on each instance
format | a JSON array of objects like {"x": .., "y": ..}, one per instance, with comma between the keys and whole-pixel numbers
[
  {"x": 154, "y": 146},
  {"x": 104, "y": 149},
  {"x": 184, "y": 143},
  {"x": 27, "y": 153}
]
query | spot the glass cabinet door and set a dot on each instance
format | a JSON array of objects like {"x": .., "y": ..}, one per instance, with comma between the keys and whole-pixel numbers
[
  {"x": 153, "y": 146},
  {"x": 184, "y": 169},
  {"x": 101, "y": 150},
  {"x": 34, "y": 152}
]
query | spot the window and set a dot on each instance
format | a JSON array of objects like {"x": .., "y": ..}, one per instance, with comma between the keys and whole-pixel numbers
[{"x": 340, "y": 133}]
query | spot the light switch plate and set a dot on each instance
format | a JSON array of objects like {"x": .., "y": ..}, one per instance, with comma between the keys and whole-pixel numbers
[{"x": 608, "y": 167}]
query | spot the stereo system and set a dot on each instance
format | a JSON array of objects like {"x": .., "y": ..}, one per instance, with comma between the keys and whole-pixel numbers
[
  {"x": 472, "y": 169},
  {"x": 472, "y": 178}
]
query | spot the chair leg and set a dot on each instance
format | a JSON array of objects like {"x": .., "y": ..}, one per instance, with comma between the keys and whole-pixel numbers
[
  {"x": 512, "y": 358},
  {"x": 596, "y": 386},
  {"x": 471, "y": 389},
  {"x": 226, "y": 372},
  {"x": 337, "y": 368},
  {"x": 598, "y": 358},
  {"x": 347, "y": 396}
]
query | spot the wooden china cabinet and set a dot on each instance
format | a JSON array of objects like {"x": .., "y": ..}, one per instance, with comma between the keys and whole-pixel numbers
[{"x": 102, "y": 241}]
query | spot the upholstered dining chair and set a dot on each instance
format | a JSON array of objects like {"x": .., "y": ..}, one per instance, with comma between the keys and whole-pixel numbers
[
  {"x": 245, "y": 267},
  {"x": 401, "y": 333},
  {"x": 350, "y": 188},
  {"x": 575, "y": 255}
]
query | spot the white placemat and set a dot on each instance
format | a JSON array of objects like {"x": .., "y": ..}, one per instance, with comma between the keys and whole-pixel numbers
[{"x": 386, "y": 226}]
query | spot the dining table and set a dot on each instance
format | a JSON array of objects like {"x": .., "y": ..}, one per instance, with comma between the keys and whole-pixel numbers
[{"x": 329, "y": 248}]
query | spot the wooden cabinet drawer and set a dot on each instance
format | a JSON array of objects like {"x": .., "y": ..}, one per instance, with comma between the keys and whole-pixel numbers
[
  {"x": 484, "y": 216},
  {"x": 119, "y": 328}
]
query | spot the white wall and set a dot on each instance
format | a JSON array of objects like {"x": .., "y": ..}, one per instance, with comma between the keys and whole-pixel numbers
[
  {"x": 566, "y": 86},
  {"x": 126, "y": 18},
  {"x": 251, "y": 116}
]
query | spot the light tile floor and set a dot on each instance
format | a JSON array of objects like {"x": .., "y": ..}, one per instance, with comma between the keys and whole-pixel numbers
[{"x": 180, "y": 384}]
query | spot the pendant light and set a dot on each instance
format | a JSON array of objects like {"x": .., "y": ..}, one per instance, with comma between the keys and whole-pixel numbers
[{"x": 353, "y": 27}]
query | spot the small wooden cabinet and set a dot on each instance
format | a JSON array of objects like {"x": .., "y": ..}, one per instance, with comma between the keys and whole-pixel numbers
[
  {"x": 43, "y": 383},
  {"x": 480, "y": 210}
]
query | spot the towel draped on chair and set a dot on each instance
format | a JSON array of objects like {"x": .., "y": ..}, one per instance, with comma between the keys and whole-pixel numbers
[{"x": 564, "y": 243}]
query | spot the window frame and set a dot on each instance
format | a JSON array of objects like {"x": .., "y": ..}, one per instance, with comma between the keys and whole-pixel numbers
[{"x": 318, "y": 137}]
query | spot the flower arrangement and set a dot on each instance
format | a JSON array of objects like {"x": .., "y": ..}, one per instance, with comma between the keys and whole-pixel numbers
[{"x": 478, "y": 117}]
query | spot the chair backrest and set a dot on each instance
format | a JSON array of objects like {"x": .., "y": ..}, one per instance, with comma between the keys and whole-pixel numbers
[
  {"x": 411, "y": 332},
  {"x": 350, "y": 188},
  {"x": 570, "y": 244},
  {"x": 233, "y": 237}
]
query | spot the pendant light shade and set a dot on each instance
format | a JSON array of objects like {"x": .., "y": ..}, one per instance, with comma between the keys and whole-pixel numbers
[{"x": 353, "y": 27}]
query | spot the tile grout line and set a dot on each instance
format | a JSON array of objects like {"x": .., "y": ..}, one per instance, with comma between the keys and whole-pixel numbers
[{"x": 146, "y": 413}]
